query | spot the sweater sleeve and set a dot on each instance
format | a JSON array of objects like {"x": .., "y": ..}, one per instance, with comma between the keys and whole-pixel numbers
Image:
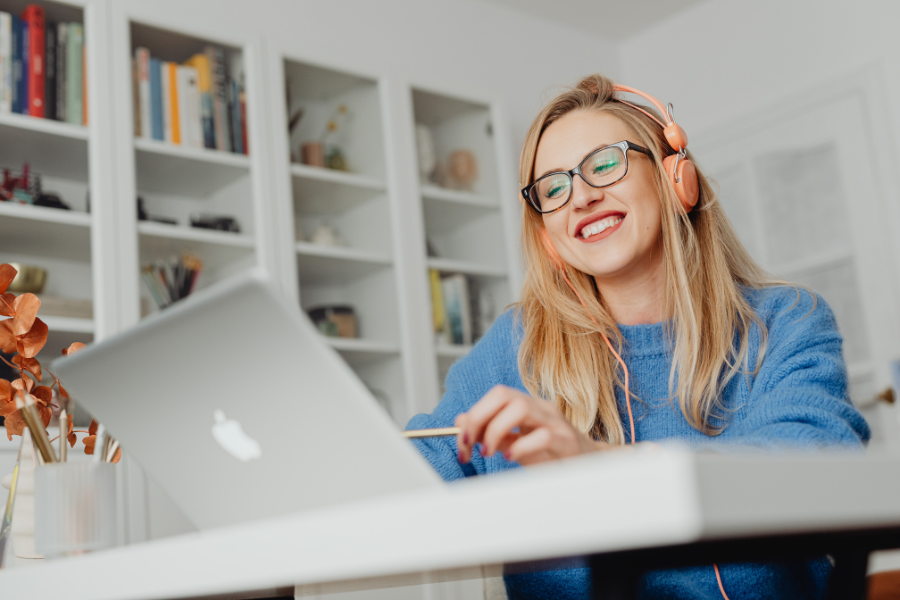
[
  {"x": 799, "y": 396},
  {"x": 491, "y": 362}
]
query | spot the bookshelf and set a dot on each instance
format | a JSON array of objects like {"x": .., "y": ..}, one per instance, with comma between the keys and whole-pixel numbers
[
  {"x": 464, "y": 223},
  {"x": 57, "y": 240},
  {"x": 355, "y": 204},
  {"x": 182, "y": 177}
]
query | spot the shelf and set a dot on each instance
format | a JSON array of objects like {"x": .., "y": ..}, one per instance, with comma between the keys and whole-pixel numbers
[
  {"x": 444, "y": 350},
  {"x": 320, "y": 191},
  {"x": 215, "y": 248},
  {"x": 433, "y": 192},
  {"x": 361, "y": 345},
  {"x": 42, "y": 231},
  {"x": 50, "y": 147},
  {"x": 319, "y": 264},
  {"x": 446, "y": 265},
  {"x": 443, "y": 216},
  {"x": 68, "y": 324},
  {"x": 184, "y": 171}
]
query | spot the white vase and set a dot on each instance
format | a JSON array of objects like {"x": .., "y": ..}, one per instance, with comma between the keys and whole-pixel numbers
[{"x": 22, "y": 534}]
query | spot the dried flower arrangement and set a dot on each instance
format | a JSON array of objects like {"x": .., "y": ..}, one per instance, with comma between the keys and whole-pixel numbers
[{"x": 24, "y": 335}]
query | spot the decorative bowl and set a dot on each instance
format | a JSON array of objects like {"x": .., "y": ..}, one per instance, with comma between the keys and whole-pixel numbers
[{"x": 30, "y": 280}]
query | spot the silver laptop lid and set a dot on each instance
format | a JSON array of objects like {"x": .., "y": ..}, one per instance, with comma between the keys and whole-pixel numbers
[{"x": 235, "y": 366}]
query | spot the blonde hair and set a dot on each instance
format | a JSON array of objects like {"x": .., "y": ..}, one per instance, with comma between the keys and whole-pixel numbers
[{"x": 562, "y": 356}]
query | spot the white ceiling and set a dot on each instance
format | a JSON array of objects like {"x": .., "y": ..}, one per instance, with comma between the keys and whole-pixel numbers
[{"x": 612, "y": 19}]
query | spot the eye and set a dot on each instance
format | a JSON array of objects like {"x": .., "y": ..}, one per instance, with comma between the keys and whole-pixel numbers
[
  {"x": 556, "y": 186},
  {"x": 605, "y": 162}
]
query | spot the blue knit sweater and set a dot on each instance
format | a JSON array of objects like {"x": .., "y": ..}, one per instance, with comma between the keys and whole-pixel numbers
[{"x": 797, "y": 398}]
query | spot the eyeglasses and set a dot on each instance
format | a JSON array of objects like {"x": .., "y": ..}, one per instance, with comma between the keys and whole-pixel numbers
[{"x": 601, "y": 168}]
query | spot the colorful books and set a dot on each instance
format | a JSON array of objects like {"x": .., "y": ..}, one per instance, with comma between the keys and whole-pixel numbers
[
  {"x": 196, "y": 104},
  {"x": 42, "y": 67},
  {"x": 462, "y": 308}
]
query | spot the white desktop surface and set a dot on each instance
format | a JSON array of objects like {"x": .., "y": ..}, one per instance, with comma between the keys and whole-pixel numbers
[{"x": 617, "y": 500}]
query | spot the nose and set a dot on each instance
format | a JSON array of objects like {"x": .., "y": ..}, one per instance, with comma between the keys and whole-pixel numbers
[{"x": 583, "y": 195}]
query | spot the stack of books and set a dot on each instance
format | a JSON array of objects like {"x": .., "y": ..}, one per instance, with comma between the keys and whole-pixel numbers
[
  {"x": 200, "y": 103},
  {"x": 462, "y": 309},
  {"x": 42, "y": 67}
]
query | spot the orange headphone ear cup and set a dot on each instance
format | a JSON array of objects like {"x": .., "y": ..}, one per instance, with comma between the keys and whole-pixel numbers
[
  {"x": 555, "y": 259},
  {"x": 687, "y": 186}
]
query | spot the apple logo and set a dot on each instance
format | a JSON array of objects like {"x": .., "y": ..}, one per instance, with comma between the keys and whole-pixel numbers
[{"x": 232, "y": 438}]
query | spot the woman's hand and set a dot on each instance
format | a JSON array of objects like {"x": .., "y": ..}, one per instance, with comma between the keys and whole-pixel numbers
[{"x": 543, "y": 433}]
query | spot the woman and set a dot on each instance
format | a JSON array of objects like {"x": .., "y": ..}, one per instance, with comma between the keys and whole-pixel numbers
[{"x": 619, "y": 265}]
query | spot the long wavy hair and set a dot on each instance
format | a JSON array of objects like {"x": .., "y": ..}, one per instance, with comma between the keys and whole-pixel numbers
[{"x": 563, "y": 357}]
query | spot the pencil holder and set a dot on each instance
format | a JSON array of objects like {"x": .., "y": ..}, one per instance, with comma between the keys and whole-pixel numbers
[{"x": 75, "y": 507}]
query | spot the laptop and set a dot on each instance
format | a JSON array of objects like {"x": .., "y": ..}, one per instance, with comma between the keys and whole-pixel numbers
[{"x": 236, "y": 406}]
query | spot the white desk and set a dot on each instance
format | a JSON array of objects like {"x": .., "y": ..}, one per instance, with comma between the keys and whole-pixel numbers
[{"x": 601, "y": 503}]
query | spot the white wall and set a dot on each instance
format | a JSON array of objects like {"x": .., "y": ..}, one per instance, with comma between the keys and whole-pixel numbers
[
  {"x": 458, "y": 44},
  {"x": 726, "y": 58}
]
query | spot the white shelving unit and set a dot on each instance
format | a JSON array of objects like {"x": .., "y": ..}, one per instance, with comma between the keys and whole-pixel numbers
[
  {"x": 465, "y": 229},
  {"x": 60, "y": 241},
  {"x": 378, "y": 206}
]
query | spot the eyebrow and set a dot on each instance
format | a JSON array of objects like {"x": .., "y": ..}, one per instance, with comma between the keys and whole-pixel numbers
[{"x": 561, "y": 170}]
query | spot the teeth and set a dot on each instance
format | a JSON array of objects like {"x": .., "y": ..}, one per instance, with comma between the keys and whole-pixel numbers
[{"x": 600, "y": 226}]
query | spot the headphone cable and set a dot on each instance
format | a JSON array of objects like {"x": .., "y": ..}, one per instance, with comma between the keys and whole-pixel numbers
[{"x": 628, "y": 397}]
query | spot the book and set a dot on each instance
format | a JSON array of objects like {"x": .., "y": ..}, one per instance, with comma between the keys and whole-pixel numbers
[
  {"x": 189, "y": 107},
  {"x": 219, "y": 90},
  {"x": 142, "y": 57},
  {"x": 234, "y": 112},
  {"x": 166, "y": 93},
  {"x": 243, "y": 101},
  {"x": 33, "y": 16},
  {"x": 62, "y": 45},
  {"x": 19, "y": 82},
  {"x": 156, "y": 100},
  {"x": 456, "y": 301},
  {"x": 74, "y": 74},
  {"x": 172, "y": 76},
  {"x": 438, "y": 313},
  {"x": 84, "y": 86},
  {"x": 6, "y": 51},
  {"x": 135, "y": 97},
  {"x": 204, "y": 86},
  {"x": 50, "y": 70}
]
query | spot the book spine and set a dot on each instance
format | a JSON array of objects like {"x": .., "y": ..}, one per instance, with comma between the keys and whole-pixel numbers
[
  {"x": 6, "y": 62},
  {"x": 156, "y": 101},
  {"x": 207, "y": 109},
  {"x": 33, "y": 15},
  {"x": 188, "y": 107},
  {"x": 50, "y": 70},
  {"x": 19, "y": 73},
  {"x": 234, "y": 111},
  {"x": 84, "y": 85},
  {"x": 74, "y": 74},
  {"x": 62, "y": 46},
  {"x": 219, "y": 85},
  {"x": 243, "y": 101},
  {"x": 142, "y": 55},
  {"x": 175, "y": 95},
  {"x": 166, "y": 84},
  {"x": 454, "y": 317},
  {"x": 438, "y": 313},
  {"x": 135, "y": 98}
]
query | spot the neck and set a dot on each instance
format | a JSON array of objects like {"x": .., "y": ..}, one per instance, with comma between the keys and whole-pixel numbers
[{"x": 636, "y": 298}]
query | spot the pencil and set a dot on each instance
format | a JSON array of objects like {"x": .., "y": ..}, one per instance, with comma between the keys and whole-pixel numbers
[{"x": 437, "y": 432}]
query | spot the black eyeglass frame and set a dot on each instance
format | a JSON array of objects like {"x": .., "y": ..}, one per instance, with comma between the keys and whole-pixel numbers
[{"x": 624, "y": 146}]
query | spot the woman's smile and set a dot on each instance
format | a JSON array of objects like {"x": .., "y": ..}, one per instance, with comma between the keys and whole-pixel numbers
[{"x": 599, "y": 226}]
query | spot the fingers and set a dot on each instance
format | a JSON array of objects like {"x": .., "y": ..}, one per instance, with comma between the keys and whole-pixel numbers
[
  {"x": 513, "y": 415},
  {"x": 473, "y": 423},
  {"x": 532, "y": 448}
]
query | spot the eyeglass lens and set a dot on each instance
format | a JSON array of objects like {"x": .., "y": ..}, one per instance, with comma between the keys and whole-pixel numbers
[{"x": 603, "y": 167}]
